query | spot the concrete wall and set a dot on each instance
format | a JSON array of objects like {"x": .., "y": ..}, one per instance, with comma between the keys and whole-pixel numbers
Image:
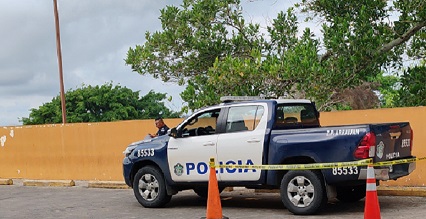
[{"x": 93, "y": 151}]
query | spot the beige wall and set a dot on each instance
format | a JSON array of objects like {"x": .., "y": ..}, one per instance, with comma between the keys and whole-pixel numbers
[
  {"x": 85, "y": 151},
  {"x": 93, "y": 151}
]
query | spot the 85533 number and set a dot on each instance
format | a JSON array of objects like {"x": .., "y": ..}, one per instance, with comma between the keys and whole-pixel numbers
[
  {"x": 146, "y": 152},
  {"x": 351, "y": 170}
]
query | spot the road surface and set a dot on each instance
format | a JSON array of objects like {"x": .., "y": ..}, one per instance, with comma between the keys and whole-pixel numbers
[{"x": 81, "y": 202}]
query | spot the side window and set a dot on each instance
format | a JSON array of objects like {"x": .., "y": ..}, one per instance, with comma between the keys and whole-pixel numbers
[
  {"x": 243, "y": 118},
  {"x": 295, "y": 116},
  {"x": 201, "y": 124}
]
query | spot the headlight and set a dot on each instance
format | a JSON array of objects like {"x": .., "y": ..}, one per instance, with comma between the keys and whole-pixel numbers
[
  {"x": 129, "y": 150},
  {"x": 133, "y": 145}
]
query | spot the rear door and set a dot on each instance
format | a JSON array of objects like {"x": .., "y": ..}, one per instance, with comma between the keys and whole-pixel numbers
[{"x": 242, "y": 141}]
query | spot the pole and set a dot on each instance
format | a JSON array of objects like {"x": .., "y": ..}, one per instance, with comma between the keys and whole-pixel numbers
[{"x": 59, "y": 54}]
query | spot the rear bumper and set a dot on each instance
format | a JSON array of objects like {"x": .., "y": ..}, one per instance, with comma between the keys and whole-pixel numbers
[{"x": 391, "y": 172}]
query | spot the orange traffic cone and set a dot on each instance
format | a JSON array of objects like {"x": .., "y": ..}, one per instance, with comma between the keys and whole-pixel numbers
[
  {"x": 372, "y": 208},
  {"x": 214, "y": 208}
]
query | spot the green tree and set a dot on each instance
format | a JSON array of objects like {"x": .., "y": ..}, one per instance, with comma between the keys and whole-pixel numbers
[
  {"x": 387, "y": 86},
  {"x": 101, "y": 104},
  {"x": 209, "y": 47},
  {"x": 363, "y": 38},
  {"x": 413, "y": 89},
  {"x": 405, "y": 90}
]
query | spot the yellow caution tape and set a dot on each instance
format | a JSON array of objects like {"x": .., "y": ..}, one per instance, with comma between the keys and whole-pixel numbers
[
  {"x": 313, "y": 166},
  {"x": 310, "y": 166},
  {"x": 393, "y": 162}
]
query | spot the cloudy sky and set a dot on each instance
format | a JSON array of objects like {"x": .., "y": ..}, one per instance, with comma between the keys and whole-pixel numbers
[{"x": 95, "y": 37}]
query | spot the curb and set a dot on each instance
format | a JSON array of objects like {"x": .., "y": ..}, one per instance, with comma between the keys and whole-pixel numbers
[
  {"x": 401, "y": 191},
  {"x": 6, "y": 182},
  {"x": 53, "y": 183},
  {"x": 108, "y": 185},
  {"x": 266, "y": 191},
  {"x": 381, "y": 191}
]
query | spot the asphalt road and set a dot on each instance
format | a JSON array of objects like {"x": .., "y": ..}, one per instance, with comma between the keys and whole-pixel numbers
[{"x": 82, "y": 202}]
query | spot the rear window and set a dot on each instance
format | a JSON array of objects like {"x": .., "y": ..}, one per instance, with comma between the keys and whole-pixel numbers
[{"x": 298, "y": 115}]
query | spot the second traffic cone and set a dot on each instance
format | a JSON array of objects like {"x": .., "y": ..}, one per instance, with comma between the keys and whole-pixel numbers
[
  {"x": 214, "y": 207},
  {"x": 372, "y": 208}
]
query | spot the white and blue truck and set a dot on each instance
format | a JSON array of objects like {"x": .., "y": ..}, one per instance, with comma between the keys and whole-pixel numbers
[{"x": 266, "y": 132}]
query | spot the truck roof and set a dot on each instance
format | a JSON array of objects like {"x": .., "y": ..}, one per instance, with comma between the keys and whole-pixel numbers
[
  {"x": 248, "y": 99},
  {"x": 234, "y": 99},
  {"x": 292, "y": 101}
]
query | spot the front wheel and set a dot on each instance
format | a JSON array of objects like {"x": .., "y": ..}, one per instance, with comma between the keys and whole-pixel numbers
[
  {"x": 149, "y": 188},
  {"x": 303, "y": 192}
]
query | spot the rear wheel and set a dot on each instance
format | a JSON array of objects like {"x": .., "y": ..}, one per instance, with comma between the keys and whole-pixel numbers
[
  {"x": 149, "y": 187},
  {"x": 303, "y": 192},
  {"x": 350, "y": 193}
]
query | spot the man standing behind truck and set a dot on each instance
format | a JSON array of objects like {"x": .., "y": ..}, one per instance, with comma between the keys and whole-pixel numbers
[{"x": 162, "y": 128}]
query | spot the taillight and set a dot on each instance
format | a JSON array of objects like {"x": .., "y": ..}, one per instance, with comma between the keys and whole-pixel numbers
[{"x": 366, "y": 146}]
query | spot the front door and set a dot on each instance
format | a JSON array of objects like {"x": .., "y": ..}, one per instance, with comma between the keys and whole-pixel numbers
[{"x": 189, "y": 154}]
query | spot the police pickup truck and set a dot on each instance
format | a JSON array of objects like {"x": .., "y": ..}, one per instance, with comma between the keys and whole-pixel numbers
[{"x": 255, "y": 132}]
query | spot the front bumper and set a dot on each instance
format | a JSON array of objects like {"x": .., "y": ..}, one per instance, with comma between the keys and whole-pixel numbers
[{"x": 127, "y": 171}]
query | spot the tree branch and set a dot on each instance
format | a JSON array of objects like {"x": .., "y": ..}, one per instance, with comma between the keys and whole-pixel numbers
[
  {"x": 330, "y": 101},
  {"x": 387, "y": 47},
  {"x": 404, "y": 38},
  {"x": 325, "y": 56}
]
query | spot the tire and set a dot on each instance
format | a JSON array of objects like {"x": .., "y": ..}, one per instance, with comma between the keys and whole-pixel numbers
[
  {"x": 350, "y": 194},
  {"x": 303, "y": 192},
  {"x": 203, "y": 192},
  {"x": 149, "y": 188}
]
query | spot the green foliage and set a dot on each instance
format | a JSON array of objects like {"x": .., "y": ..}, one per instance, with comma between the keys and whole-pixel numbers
[
  {"x": 412, "y": 12},
  {"x": 208, "y": 46},
  {"x": 388, "y": 86},
  {"x": 413, "y": 88},
  {"x": 101, "y": 104}
]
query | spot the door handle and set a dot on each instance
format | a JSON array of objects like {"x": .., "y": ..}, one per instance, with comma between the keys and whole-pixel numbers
[
  {"x": 209, "y": 143},
  {"x": 253, "y": 140}
]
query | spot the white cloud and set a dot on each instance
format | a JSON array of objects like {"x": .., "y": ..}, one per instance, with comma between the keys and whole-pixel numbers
[{"x": 95, "y": 37}]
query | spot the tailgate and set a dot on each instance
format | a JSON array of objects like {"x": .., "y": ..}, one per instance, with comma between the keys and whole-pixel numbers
[{"x": 393, "y": 141}]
